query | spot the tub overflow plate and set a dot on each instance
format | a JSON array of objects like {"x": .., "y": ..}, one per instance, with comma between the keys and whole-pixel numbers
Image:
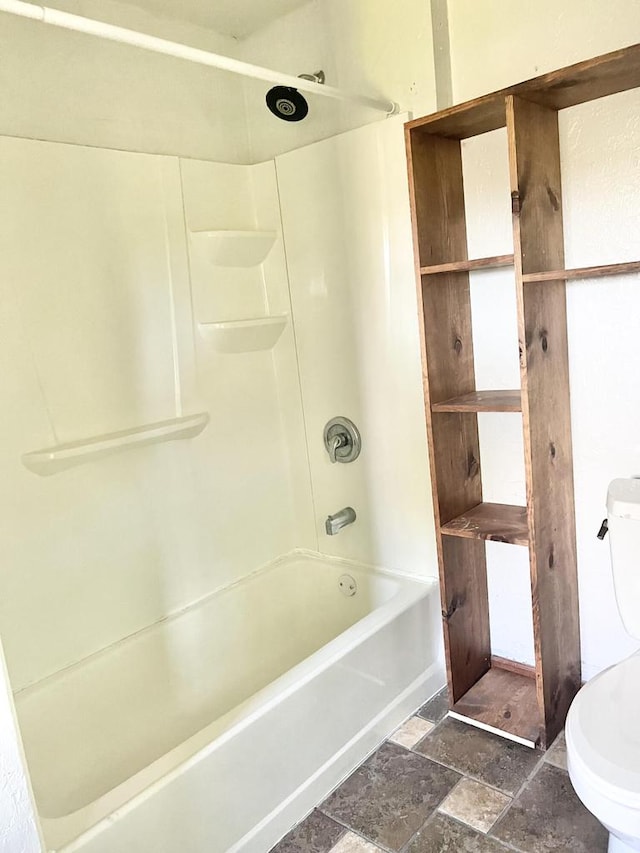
[{"x": 348, "y": 585}]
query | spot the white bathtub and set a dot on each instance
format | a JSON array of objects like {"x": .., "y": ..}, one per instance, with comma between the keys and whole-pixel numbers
[{"x": 216, "y": 729}]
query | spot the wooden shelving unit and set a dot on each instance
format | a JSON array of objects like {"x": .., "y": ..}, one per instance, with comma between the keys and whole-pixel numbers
[{"x": 527, "y": 704}]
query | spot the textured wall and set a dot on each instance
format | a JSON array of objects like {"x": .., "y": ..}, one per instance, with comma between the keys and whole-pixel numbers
[
  {"x": 18, "y": 822},
  {"x": 495, "y": 43}
]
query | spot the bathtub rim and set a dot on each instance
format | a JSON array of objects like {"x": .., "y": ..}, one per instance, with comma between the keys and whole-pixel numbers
[
  {"x": 264, "y": 568},
  {"x": 68, "y": 833}
]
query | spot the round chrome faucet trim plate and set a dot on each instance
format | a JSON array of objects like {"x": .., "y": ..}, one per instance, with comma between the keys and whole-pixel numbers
[{"x": 342, "y": 440}]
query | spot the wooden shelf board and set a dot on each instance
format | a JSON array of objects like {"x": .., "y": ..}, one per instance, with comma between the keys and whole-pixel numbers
[
  {"x": 497, "y": 522},
  {"x": 505, "y": 701},
  {"x": 576, "y": 84},
  {"x": 583, "y": 272},
  {"x": 466, "y": 266},
  {"x": 482, "y": 401}
]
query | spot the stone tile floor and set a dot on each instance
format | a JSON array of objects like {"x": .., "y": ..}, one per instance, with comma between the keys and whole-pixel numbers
[{"x": 441, "y": 786}]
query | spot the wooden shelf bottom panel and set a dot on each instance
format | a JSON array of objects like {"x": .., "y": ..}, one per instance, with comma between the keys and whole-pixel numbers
[
  {"x": 497, "y": 522},
  {"x": 505, "y": 701}
]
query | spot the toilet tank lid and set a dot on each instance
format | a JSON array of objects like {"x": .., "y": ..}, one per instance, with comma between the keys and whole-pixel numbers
[{"x": 623, "y": 499}]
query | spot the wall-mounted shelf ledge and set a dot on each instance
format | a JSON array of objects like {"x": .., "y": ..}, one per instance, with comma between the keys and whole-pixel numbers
[
  {"x": 497, "y": 522},
  {"x": 482, "y": 401},
  {"x": 494, "y": 262},
  {"x": 234, "y": 248},
  {"x": 583, "y": 272},
  {"x": 235, "y": 336},
  {"x": 51, "y": 460}
]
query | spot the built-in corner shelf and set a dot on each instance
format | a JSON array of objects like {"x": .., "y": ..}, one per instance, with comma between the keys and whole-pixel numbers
[
  {"x": 51, "y": 460},
  {"x": 235, "y": 336},
  {"x": 234, "y": 248}
]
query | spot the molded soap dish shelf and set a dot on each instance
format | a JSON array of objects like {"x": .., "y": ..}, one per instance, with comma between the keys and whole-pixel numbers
[
  {"x": 51, "y": 460},
  {"x": 234, "y": 248},
  {"x": 236, "y": 336}
]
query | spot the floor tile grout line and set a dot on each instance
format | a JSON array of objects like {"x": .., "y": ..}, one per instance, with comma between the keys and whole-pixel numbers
[
  {"x": 484, "y": 832},
  {"x": 350, "y": 829},
  {"x": 536, "y": 769},
  {"x": 512, "y": 796},
  {"x": 432, "y": 734},
  {"x": 432, "y": 817},
  {"x": 419, "y": 830},
  {"x": 541, "y": 762},
  {"x": 542, "y": 759},
  {"x": 467, "y": 775},
  {"x": 507, "y": 844}
]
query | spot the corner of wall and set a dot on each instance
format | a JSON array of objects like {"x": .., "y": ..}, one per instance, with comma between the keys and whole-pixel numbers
[{"x": 19, "y": 824}]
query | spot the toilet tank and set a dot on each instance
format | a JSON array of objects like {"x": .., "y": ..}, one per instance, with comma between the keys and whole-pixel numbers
[{"x": 623, "y": 511}]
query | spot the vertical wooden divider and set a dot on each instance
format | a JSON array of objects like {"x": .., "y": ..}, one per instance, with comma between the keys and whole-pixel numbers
[
  {"x": 444, "y": 307},
  {"x": 534, "y": 161}
]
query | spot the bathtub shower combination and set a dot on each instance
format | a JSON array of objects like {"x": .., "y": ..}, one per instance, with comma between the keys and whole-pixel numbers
[
  {"x": 296, "y": 673},
  {"x": 218, "y": 583}
]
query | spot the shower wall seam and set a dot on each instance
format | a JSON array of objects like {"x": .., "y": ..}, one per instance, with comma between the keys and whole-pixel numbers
[{"x": 297, "y": 354}]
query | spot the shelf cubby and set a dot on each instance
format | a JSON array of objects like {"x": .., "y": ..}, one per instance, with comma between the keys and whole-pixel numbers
[
  {"x": 491, "y": 521},
  {"x": 505, "y": 702}
]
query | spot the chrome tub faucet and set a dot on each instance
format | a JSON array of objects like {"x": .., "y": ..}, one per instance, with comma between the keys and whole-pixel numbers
[{"x": 340, "y": 519}]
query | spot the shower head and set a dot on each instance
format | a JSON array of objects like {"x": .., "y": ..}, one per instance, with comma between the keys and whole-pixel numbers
[{"x": 287, "y": 103}]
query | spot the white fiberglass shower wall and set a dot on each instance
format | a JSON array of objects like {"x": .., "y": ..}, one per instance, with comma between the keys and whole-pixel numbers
[{"x": 122, "y": 321}]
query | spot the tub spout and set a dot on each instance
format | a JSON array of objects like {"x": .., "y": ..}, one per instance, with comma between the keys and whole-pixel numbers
[{"x": 342, "y": 518}]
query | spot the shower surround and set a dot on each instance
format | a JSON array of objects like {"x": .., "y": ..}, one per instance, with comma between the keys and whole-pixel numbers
[{"x": 254, "y": 303}]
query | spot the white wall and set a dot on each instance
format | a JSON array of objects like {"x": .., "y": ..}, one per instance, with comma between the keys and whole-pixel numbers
[
  {"x": 363, "y": 46},
  {"x": 19, "y": 831},
  {"x": 69, "y": 87},
  {"x": 346, "y": 224},
  {"x": 495, "y": 43}
]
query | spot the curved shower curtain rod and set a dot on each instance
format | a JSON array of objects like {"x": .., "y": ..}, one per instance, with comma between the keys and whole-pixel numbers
[{"x": 181, "y": 51}]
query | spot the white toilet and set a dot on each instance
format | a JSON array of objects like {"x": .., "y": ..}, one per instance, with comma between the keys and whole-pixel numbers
[{"x": 603, "y": 724}]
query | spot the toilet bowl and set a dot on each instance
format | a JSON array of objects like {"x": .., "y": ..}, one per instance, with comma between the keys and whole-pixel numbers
[
  {"x": 603, "y": 751},
  {"x": 603, "y": 724}
]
